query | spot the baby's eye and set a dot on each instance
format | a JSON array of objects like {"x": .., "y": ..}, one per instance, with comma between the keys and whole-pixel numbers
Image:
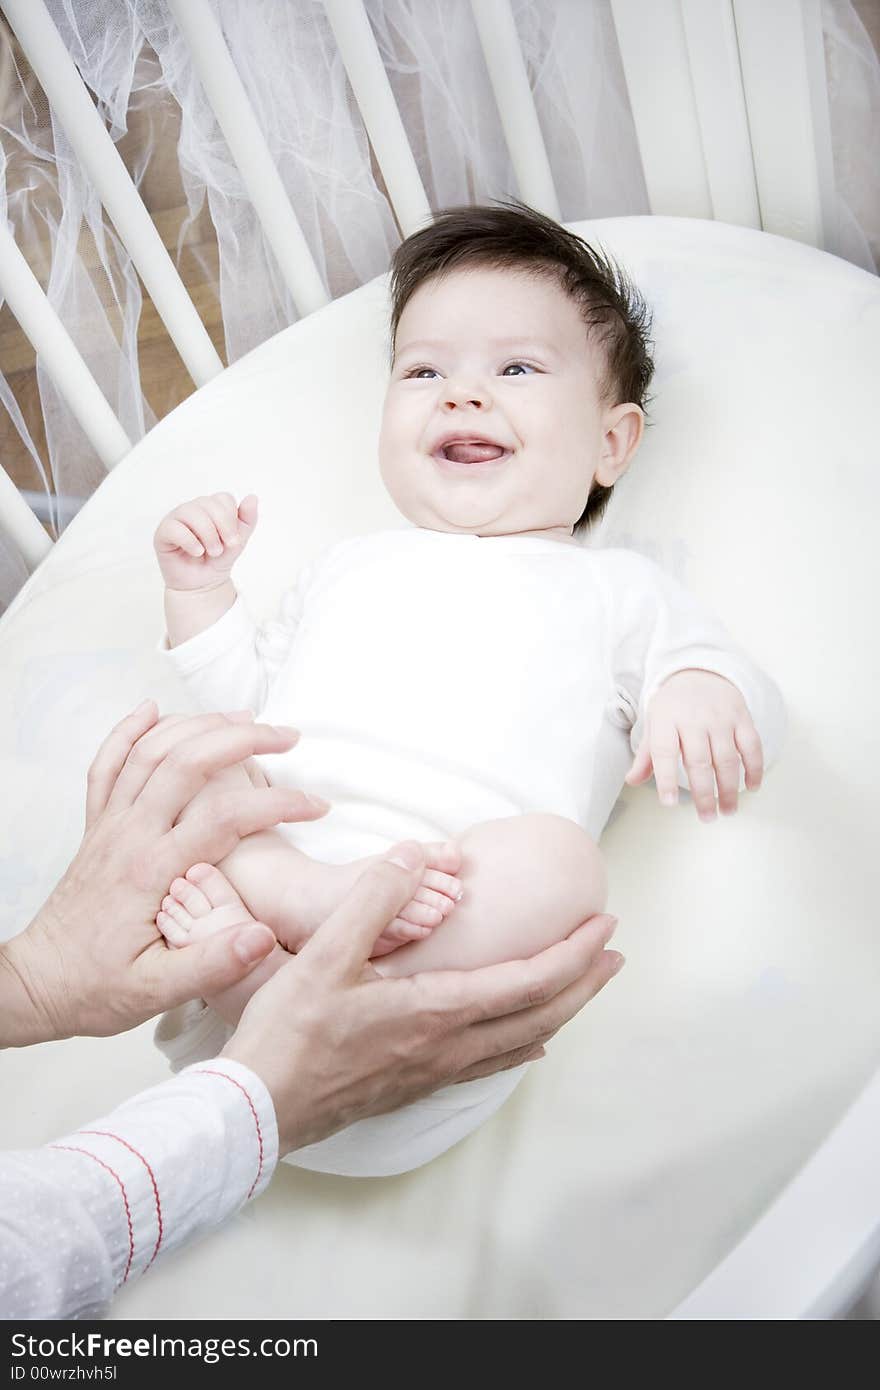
[
  {"x": 420, "y": 373},
  {"x": 517, "y": 368}
]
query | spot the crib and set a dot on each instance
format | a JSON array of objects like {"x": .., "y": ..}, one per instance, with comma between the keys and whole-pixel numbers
[{"x": 703, "y": 1141}]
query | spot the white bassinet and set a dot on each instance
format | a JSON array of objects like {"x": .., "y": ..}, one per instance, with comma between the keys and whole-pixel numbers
[{"x": 679, "y": 1104}]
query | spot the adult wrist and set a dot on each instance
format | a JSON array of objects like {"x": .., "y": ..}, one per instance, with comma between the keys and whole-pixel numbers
[
  {"x": 295, "y": 1130},
  {"x": 30, "y": 1010}
]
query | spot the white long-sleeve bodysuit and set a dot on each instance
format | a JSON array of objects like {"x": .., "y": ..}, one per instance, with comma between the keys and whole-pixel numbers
[{"x": 439, "y": 680}]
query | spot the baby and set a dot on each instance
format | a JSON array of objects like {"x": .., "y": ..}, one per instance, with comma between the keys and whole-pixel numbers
[{"x": 479, "y": 681}]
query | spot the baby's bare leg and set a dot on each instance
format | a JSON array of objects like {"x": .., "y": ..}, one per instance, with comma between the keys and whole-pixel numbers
[
  {"x": 267, "y": 879},
  {"x": 528, "y": 882}
]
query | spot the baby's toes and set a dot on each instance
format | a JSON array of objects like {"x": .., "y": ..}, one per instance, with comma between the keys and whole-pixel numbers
[
  {"x": 215, "y": 886},
  {"x": 420, "y": 915},
  {"x": 174, "y": 928},
  {"x": 399, "y": 932},
  {"x": 443, "y": 884},
  {"x": 446, "y": 857},
  {"x": 189, "y": 897},
  {"x": 443, "y": 902}
]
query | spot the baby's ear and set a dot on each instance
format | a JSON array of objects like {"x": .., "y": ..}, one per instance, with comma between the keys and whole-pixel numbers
[{"x": 624, "y": 425}]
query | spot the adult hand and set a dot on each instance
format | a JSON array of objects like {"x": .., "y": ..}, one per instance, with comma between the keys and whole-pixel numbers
[
  {"x": 334, "y": 1041},
  {"x": 93, "y": 961}
]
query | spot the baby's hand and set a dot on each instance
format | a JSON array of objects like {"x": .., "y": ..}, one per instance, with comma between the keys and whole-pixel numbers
[
  {"x": 198, "y": 543},
  {"x": 705, "y": 717}
]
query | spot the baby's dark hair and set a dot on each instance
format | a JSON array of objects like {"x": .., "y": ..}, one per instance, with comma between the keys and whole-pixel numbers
[{"x": 510, "y": 235}]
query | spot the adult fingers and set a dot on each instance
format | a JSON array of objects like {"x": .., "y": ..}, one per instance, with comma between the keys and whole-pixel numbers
[
  {"x": 205, "y": 967},
  {"x": 495, "y": 991},
  {"x": 344, "y": 943},
  {"x": 149, "y": 751},
  {"x": 535, "y": 1026},
  {"x": 110, "y": 757},
  {"x": 218, "y": 823},
  {"x": 186, "y": 767},
  {"x": 488, "y": 1067}
]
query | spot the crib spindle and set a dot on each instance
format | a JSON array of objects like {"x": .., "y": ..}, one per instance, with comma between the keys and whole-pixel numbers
[
  {"x": 247, "y": 145},
  {"x": 782, "y": 59},
  {"x": 369, "y": 82},
  {"x": 62, "y": 361},
  {"x": 516, "y": 106},
  {"x": 656, "y": 64},
  {"x": 710, "y": 35},
  {"x": 71, "y": 103}
]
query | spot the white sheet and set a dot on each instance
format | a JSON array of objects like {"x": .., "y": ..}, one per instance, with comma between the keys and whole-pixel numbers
[{"x": 678, "y": 1104}]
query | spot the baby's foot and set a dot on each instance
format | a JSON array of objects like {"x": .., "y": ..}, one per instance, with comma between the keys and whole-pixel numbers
[
  {"x": 200, "y": 904},
  {"x": 308, "y": 900},
  {"x": 205, "y": 901},
  {"x": 432, "y": 902}
]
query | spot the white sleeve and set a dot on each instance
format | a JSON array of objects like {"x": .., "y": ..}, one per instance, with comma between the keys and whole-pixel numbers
[
  {"x": 657, "y": 628},
  {"x": 94, "y": 1210},
  {"x": 232, "y": 664}
]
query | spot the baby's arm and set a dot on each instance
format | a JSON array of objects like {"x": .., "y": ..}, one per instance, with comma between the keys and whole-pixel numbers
[
  {"x": 197, "y": 545},
  {"x": 702, "y": 710}
]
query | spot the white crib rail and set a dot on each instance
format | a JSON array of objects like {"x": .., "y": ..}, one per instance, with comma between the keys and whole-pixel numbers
[
  {"x": 89, "y": 137},
  {"x": 70, "y": 374},
  {"x": 229, "y": 102},
  {"x": 782, "y": 58},
  {"x": 375, "y": 99},
  {"x": 812, "y": 1253},
  {"x": 516, "y": 106}
]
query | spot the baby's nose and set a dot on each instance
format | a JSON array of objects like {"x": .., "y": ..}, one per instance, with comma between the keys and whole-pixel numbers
[{"x": 467, "y": 395}]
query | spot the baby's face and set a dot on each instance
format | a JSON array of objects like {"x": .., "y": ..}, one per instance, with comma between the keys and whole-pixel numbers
[{"x": 493, "y": 422}]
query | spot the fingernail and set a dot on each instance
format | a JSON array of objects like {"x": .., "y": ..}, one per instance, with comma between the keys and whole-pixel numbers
[
  {"x": 250, "y": 944},
  {"x": 318, "y": 802},
  {"x": 407, "y": 856},
  {"x": 618, "y": 962},
  {"x": 142, "y": 707},
  {"x": 285, "y": 730},
  {"x": 612, "y": 927},
  {"x": 669, "y": 798}
]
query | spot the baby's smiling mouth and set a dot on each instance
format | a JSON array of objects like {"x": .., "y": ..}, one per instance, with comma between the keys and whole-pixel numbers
[{"x": 464, "y": 449}]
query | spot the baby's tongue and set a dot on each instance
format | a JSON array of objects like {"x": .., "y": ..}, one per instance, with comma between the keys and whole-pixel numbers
[{"x": 472, "y": 452}]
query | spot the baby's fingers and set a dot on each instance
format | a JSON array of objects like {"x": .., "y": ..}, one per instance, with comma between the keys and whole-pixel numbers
[
  {"x": 696, "y": 753},
  {"x": 748, "y": 741},
  {"x": 247, "y": 516},
  {"x": 199, "y": 520},
  {"x": 222, "y": 511},
  {"x": 174, "y": 535},
  {"x": 665, "y": 748},
  {"x": 726, "y": 762}
]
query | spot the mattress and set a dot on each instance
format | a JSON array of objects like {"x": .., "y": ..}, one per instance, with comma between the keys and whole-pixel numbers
[{"x": 679, "y": 1103}]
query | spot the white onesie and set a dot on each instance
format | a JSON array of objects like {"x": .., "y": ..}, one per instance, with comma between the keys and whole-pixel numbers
[{"x": 439, "y": 680}]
